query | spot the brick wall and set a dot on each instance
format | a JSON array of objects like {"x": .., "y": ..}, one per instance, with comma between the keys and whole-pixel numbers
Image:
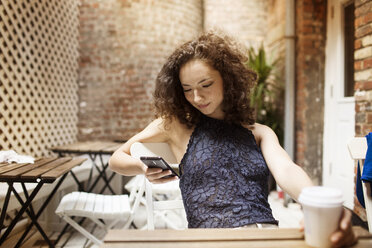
[
  {"x": 123, "y": 45},
  {"x": 310, "y": 52},
  {"x": 363, "y": 76},
  {"x": 246, "y": 20},
  {"x": 363, "y": 67}
]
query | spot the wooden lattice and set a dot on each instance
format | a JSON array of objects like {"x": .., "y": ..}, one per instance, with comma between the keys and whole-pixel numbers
[{"x": 38, "y": 74}]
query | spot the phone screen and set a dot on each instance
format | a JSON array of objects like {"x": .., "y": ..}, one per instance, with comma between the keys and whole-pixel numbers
[{"x": 159, "y": 162}]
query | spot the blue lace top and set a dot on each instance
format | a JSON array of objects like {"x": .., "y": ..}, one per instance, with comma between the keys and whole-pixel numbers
[{"x": 224, "y": 180}]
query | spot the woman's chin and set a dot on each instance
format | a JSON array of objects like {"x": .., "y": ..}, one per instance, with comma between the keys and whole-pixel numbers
[{"x": 215, "y": 116}]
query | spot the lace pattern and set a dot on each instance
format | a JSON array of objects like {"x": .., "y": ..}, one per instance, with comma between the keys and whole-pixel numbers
[{"x": 224, "y": 177}]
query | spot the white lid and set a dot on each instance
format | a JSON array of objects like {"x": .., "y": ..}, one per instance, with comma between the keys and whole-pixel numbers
[{"x": 320, "y": 196}]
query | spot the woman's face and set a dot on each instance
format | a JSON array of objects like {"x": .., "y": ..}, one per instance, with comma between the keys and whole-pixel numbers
[{"x": 203, "y": 88}]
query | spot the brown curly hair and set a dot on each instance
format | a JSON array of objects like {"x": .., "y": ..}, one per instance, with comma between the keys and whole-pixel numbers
[{"x": 223, "y": 54}]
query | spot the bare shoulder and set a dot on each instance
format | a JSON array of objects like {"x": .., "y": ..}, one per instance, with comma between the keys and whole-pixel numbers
[
  {"x": 160, "y": 130},
  {"x": 261, "y": 132},
  {"x": 155, "y": 131},
  {"x": 174, "y": 133}
]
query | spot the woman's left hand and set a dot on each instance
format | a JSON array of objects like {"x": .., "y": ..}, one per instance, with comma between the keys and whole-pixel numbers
[{"x": 344, "y": 236}]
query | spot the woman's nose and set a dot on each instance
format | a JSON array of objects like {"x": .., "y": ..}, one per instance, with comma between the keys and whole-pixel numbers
[{"x": 197, "y": 96}]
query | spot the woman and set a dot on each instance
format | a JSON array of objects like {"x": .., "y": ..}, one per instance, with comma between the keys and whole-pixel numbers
[{"x": 203, "y": 113}]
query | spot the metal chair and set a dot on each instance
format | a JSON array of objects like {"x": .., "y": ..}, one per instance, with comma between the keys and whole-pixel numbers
[
  {"x": 162, "y": 200},
  {"x": 358, "y": 149}
]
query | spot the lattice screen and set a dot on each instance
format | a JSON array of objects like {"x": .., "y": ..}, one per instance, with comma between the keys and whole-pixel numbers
[{"x": 38, "y": 74}]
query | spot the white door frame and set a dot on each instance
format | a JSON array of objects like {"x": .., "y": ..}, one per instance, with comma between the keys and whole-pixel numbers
[{"x": 334, "y": 93}]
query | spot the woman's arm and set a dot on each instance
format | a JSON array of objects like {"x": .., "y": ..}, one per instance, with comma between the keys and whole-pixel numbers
[
  {"x": 292, "y": 179},
  {"x": 121, "y": 161},
  {"x": 289, "y": 176}
]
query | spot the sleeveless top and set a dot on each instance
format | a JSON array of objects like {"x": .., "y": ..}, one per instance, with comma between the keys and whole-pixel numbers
[{"x": 224, "y": 180}]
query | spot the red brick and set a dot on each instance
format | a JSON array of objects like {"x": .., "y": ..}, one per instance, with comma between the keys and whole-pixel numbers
[
  {"x": 363, "y": 20},
  {"x": 366, "y": 129},
  {"x": 363, "y": 9},
  {"x": 309, "y": 8},
  {"x": 367, "y": 63},
  {"x": 307, "y": 44},
  {"x": 363, "y": 64},
  {"x": 359, "y": 22},
  {"x": 363, "y": 31},
  {"x": 366, "y": 85},
  {"x": 357, "y": 107},
  {"x": 363, "y": 85},
  {"x": 360, "y": 2},
  {"x": 358, "y": 129},
  {"x": 368, "y": 17},
  {"x": 369, "y": 118},
  {"x": 357, "y": 44},
  {"x": 358, "y": 65}
]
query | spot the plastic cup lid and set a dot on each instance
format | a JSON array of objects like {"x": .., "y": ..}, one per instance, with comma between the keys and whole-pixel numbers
[{"x": 320, "y": 196}]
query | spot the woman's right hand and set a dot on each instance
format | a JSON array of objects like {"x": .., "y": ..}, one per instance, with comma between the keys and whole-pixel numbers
[{"x": 156, "y": 175}]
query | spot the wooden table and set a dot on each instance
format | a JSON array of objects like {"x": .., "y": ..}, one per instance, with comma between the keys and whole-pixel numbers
[
  {"x": 216, "y": 238},
  {"x": 95, "y": 150},
  {"x": 44, "y": 170}
]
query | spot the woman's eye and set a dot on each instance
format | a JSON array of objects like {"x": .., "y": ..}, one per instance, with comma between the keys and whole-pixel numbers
[
  {"x": 186, "y": 90},
  {"x": 207, "y": 85}
]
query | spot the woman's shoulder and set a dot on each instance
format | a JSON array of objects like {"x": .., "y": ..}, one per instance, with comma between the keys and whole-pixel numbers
[
  {"x": 258, "y": 128},
  {"x": 158, "y": 130},
  {"x": 170, "y": 128},
  {"x": 155, "y": 131},
  {"x": 260, "y": 131}
]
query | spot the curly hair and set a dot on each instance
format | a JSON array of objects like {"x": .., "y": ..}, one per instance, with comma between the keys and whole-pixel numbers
[{"x": 224, "y": 55}]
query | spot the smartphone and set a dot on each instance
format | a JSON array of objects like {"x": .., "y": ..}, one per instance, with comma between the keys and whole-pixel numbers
[{"x": 159, "y": 162}]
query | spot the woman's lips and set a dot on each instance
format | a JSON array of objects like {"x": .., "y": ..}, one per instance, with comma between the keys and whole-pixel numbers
[{"x": 203, "y": 106}]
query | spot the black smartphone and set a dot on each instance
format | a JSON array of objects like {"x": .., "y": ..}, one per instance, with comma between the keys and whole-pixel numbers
[{"x": 159, "y": 162}]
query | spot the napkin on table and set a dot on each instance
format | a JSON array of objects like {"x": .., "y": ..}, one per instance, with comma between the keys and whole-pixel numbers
[{"x": 11, "y": 156}]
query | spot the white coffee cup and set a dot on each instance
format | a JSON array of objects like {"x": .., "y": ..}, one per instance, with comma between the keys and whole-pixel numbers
[{"x": 322, "y": 207}]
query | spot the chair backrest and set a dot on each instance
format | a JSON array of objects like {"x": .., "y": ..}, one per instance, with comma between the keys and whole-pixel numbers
[
  {"x": 358, "y": 149},
  {"x": 163, "y": 150}
]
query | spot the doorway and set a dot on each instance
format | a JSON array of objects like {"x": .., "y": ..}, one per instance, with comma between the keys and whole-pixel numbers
[{"x": 339, "y": 109}]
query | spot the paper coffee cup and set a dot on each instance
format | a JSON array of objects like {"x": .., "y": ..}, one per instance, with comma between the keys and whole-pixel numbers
[{"x": 322, "y": 207}]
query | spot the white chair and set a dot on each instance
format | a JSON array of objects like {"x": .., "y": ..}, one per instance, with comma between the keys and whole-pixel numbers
[
  {"x": 162, "y": 200},
  {"x": 358, "y": 149},
  {"x": 104, "y": 210}
]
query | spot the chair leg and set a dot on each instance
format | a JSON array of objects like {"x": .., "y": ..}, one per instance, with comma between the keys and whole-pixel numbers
[
  {"x": 137, "y": 200},
  {"x": 149, "y": 206},
  {"x": 99, "y": 223},
  {"x": 82, "y": 230}
]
